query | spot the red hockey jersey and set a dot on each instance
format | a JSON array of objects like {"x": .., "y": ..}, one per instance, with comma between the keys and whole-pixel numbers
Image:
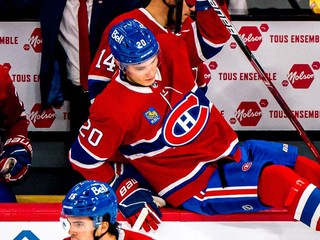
[
  {"x": 204, "y": 37},
  {"x": 170, "y": 132}
]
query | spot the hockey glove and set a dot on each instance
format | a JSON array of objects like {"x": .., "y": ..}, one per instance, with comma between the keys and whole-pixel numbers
[
  {"x": 15, "y": 159},
  {"x": 202, "y": 5},
  {"x": 315, "y": 6},
  {"x": 138, "y": 206}
]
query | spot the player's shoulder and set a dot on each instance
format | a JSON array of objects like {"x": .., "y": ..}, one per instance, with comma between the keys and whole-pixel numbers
[
  {"x": 135, "y": 13},
  {"x": 170, "y": 42},
  {"x": 187, "y": 23}
]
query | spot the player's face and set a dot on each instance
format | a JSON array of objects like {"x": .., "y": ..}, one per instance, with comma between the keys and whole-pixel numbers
[
  {"x": 81, "y": 228},
  {"x": 143, "y": 74}
]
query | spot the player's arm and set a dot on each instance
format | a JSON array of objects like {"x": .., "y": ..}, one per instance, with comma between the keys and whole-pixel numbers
[
  {"x": 101, "y": 69},
  {"x": 209, "y": 33},
  {"x": 88, "y": 154},
  {"x": 16, "y": 155},
  {"x": 103, "y": 65},
  {"x": 98, "y": 140},
  {"x": 91, "y": 154}
]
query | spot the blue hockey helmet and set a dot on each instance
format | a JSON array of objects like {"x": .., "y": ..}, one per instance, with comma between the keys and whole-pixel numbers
[
  {"x": 132, "y": 43},
  {"x": 93, "y": 199}
]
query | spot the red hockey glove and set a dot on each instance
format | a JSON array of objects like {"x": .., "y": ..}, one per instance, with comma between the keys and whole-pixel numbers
[
  {"x": 15, "y": 159},
  {"x": 138, "y": 206}
]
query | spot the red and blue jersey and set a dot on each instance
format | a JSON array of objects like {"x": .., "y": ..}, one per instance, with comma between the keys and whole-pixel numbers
[
  {"x": 204, "y": 37},
  {"x": 170, "y": 132}
]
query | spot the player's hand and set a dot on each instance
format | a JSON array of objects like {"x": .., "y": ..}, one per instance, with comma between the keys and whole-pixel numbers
[
  {"x": 15, "y": 159},
  {"x": 202, "y": 5},
  {"x": 139, "y": 206},
  {"x": 315, "y": 6}
]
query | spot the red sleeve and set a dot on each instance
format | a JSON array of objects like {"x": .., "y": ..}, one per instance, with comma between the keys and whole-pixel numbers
[
  {"x": 211, "y": 27},
  {"x": 13, "y": 120}
]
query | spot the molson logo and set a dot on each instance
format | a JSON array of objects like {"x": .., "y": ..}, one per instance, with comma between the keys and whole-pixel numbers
[
  {"x": 35, "y": 41},
  {"x": 41, "y": 119},
  {"x": 300, "y": 76},
  {"x": 249, "y": 113},
  {"x": 203, "y": 74},
  {"x": 251, "y": 35},
  {"x": 7, "y": 65}
]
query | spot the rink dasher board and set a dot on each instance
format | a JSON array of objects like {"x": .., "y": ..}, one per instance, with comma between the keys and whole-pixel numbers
[
  {"x": 32, "y": 221},
  {"x": 263, "y": 230}
]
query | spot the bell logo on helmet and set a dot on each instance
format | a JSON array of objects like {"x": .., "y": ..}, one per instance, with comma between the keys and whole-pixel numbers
[
  {"x": 99, "y": 190},
  {"x": 116, "y": 36}
]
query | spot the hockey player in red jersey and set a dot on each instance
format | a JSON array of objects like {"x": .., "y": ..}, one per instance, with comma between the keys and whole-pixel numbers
[
  {"x": 15, "y": 158},
  {"x": 204, "y": 37},
  {"x": 89, "y": 212},
  {"x": 176, "y": 138}
]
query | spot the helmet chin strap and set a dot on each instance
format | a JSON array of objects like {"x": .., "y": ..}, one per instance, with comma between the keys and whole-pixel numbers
[
  {"x": 98, "y": 237},
  {"x": 123, "y": 77}
]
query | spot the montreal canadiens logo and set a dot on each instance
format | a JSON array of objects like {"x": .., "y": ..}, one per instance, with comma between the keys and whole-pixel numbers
[
  {"x": 185, "y": 122},
  {"x": 246, "y": 166}
]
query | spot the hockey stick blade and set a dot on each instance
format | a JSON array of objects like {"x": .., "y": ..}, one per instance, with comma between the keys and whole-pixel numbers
[{"x": 233, "y": 31}]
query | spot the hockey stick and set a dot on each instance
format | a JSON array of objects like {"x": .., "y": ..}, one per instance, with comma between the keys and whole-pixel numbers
[
  {"x": 142, "y": 216},
  {"x": 227, "y": 23},
  {"x": 294, "y": 4},
  {"x": 179, "y": 6}
]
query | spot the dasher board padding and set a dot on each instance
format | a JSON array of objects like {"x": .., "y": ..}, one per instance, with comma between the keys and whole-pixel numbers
[{"x": 34, "y": 221}]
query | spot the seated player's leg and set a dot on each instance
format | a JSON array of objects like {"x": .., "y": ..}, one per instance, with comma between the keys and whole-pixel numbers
[
  {"x": 268, "y": 151},
  {"x": 232, "y": 188},
  {"x": 308, "y": 169},
  {"x": 279, "y": 186}
]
